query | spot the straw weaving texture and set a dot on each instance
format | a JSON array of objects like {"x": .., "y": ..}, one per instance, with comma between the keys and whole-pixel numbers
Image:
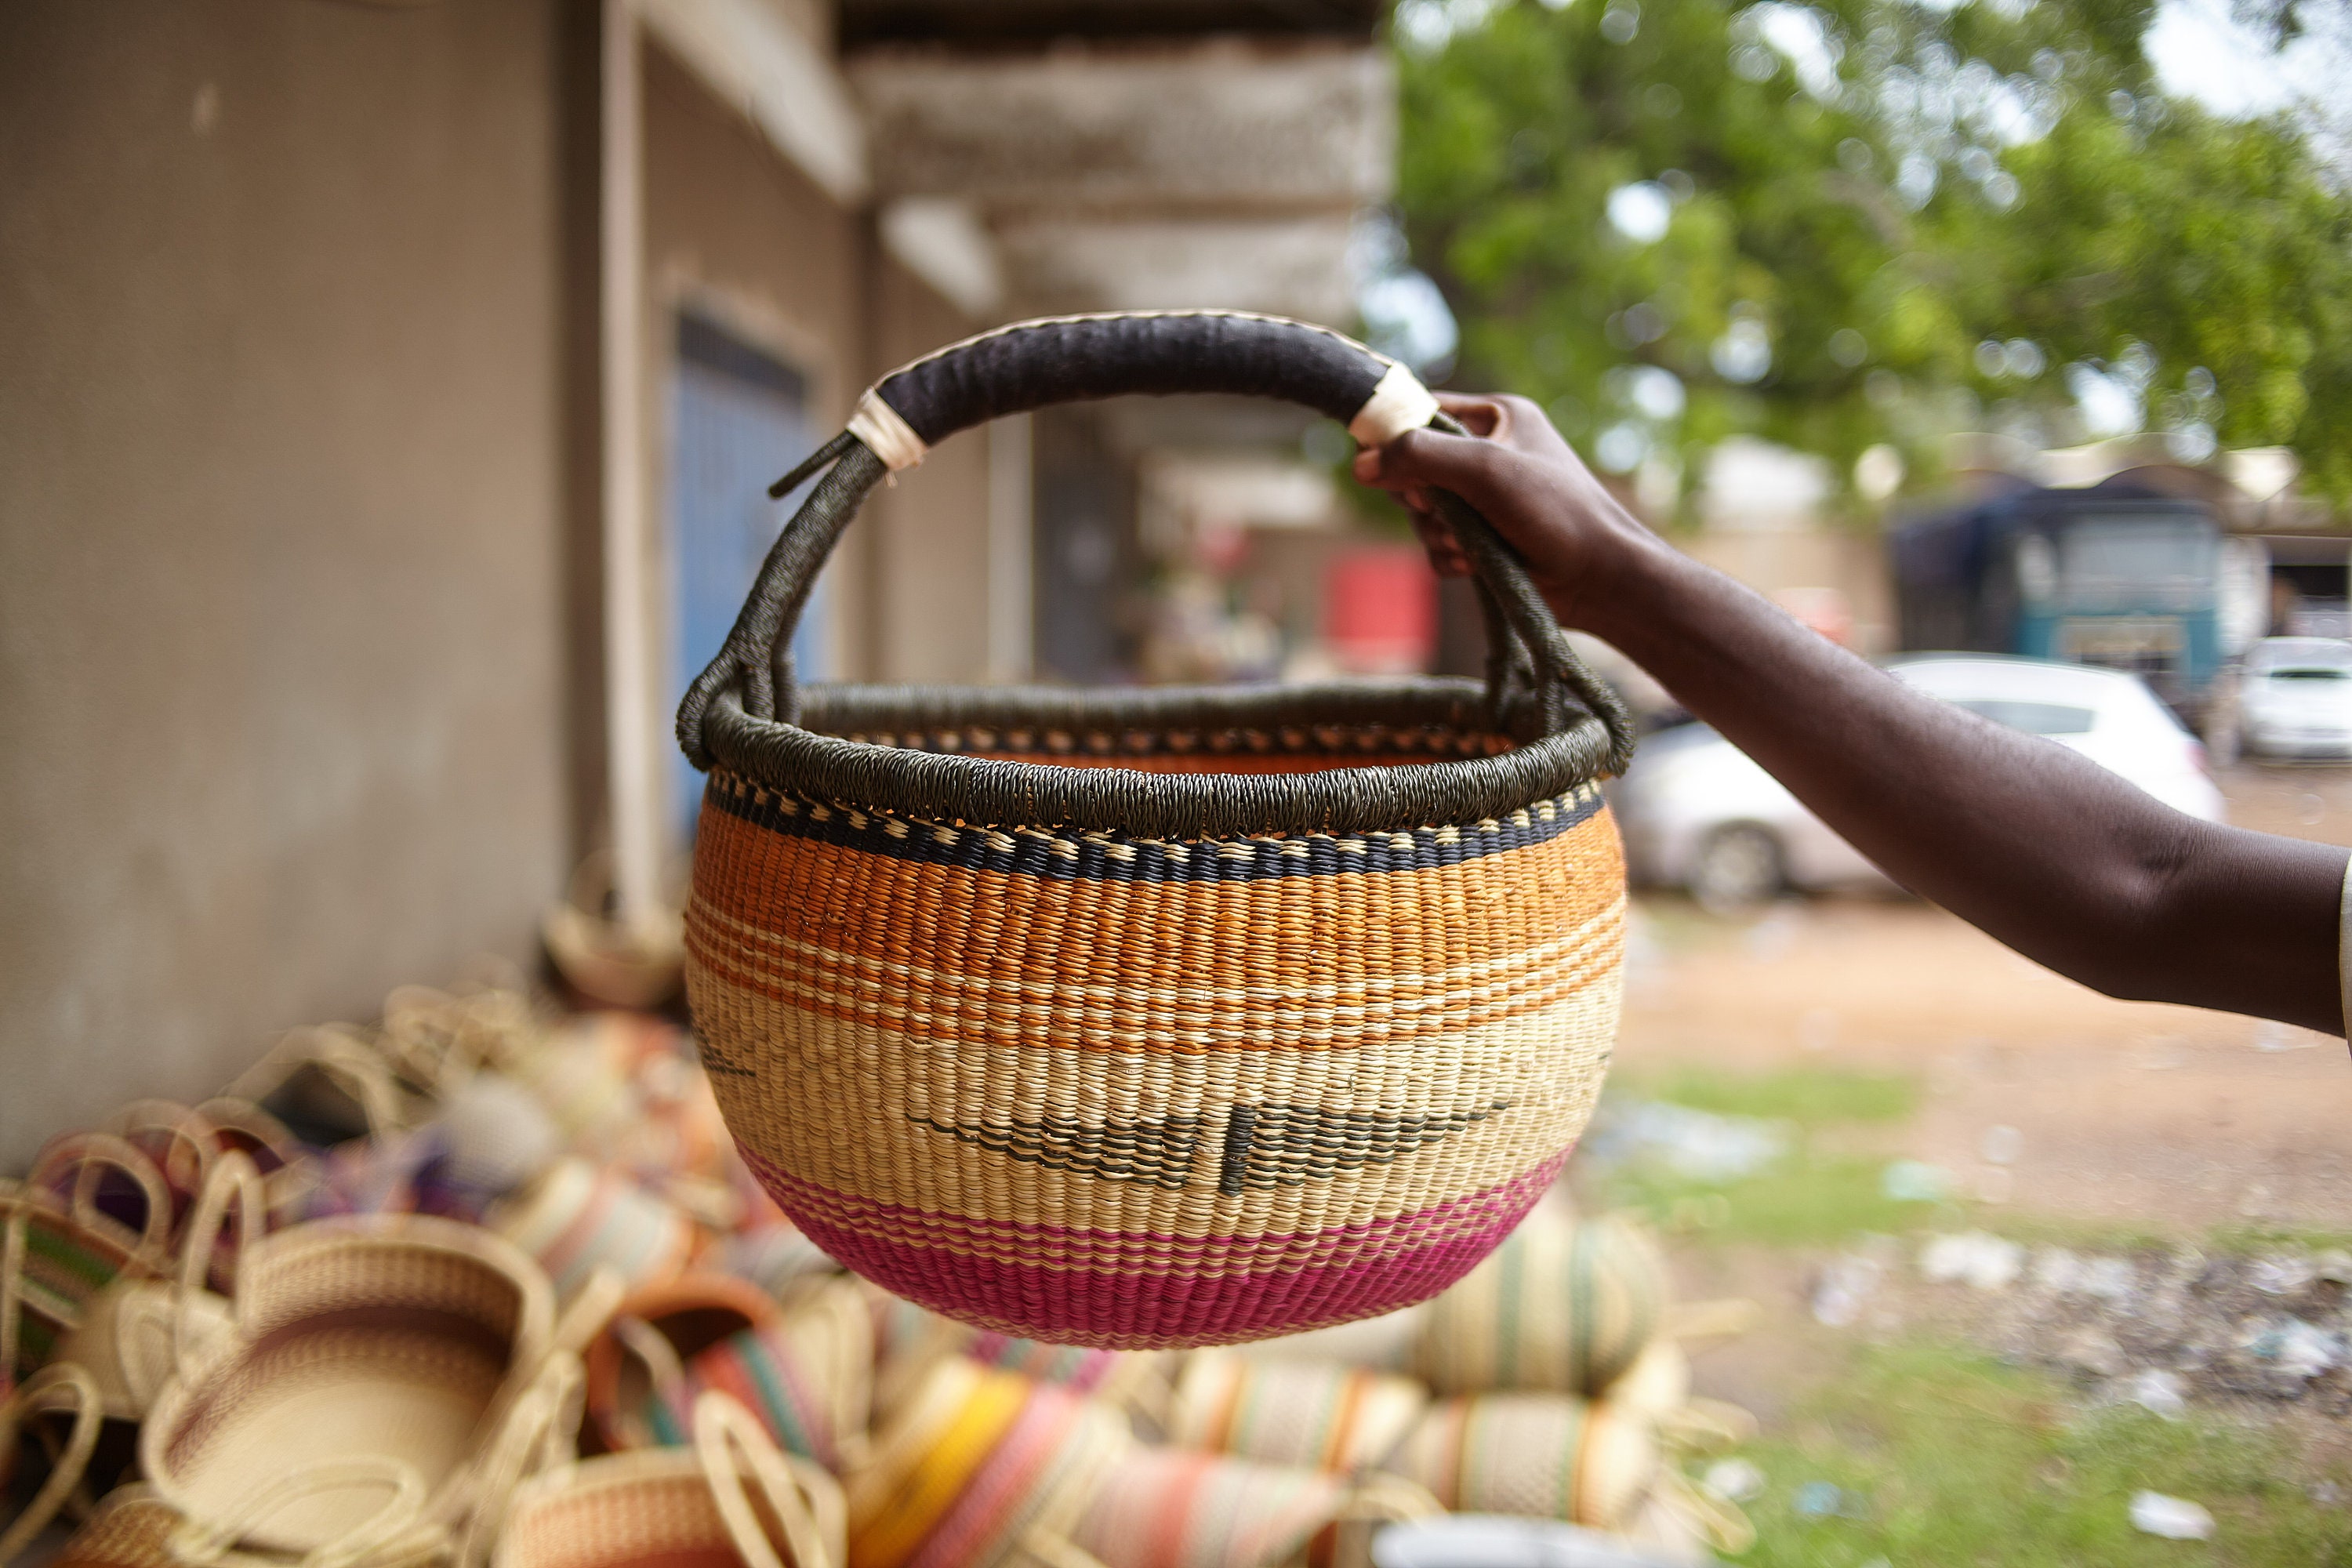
[
  {"x": 1537, "y": 1455},
  {"x": 1563, "y": 1305},
  {"x": 628, "y": 1511},
  {"x": 1321, "y": 1415},
  {"x": 1121, "y": 1091},
  {"x": 1169, "y": 1509}
]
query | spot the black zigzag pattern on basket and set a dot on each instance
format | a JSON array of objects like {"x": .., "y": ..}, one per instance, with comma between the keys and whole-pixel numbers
[
  {"x": 1160, "y": 1151},
  {"x": 1289, "y": 1145},
  {"x": 1039, "y": 852}
]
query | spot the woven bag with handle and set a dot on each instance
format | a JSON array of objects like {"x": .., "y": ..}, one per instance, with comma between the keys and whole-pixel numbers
[
  {"x": 136, "y": 1333},
  {"x": 700, "y": 1507},
  {"x": 404, "y": 1338},
  {"x": 136, "y": 1527},
  {"x": 1151, "y": 1018}
]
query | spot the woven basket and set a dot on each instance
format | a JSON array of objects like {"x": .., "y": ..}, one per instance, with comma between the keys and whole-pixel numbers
[
  {"x": 1315, "y": 1413},
  {"x": 409, "y": 1340},
  {"x": 58, "y": 1255},
  {"x": 670, "y": 1507},
  {"x": 972, "y": 1464},
  {"x": 1166, "y": 1508},
  {"x": 1549, "y": 1456},
  {"x": 135, "y": 1527},
  {"x": 1151, "y": 1018},
  {"x": 648, "y": 1341},
  {"x": 576, "y": 1218},
  {"x": 806, "y": 1373},
  {"x": 1564, "y": 1306},
  {"x": 64, "y": 1389},
  {"x": 135, "y": 1334}
]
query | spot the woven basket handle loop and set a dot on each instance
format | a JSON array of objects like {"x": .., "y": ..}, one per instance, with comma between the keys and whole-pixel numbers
[
  {"x": 540, "y": 1430},
  {"x": 59, "y": 1386},
  {"x": 200, "y": 1542},
  {"x": 190, "y": 1141},
  {"x": 88, "y": 1156},
  {"x": 734, "y": 1448},
  {"x": 1068, "y": 359},
  {"x": 234, "y": 1179},
  {"x": 346, "y": 1059}
]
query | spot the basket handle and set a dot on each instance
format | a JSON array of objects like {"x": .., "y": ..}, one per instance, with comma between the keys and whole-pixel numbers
[
  {"x": 732, "y": 1447},
  {"x": 1073, "y": 358},
  {"x": 201, "y": 1542},
  {"x": 235, "y": 1179},
  {"x": 58, "y": 1386},
  {"x": 88, "y": 1156}
]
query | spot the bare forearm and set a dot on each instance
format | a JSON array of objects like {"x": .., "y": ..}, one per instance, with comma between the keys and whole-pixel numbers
[{"x": 2035, "y": 844}]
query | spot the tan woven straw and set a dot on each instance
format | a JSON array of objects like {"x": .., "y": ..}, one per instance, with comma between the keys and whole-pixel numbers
[
  {"x": 136, "y": 1334},
  {"x": 577, "y": 1217},
  {"x": 1565, "y": 1305},
  {"x": 135, "y": 1527},
  {"x": 1550, "y": 1455},
  {"x": 1166, "y": 1508},
  {"x": 388, "y": 1337},
  {"x": 61, "y": 1388},
  {"x": 732, "y": 1498},
  {"x": 1318, "y": 1414}
]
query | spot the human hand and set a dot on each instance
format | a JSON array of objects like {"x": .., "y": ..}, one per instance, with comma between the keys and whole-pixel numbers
[{"x": 1517, "y": 472}]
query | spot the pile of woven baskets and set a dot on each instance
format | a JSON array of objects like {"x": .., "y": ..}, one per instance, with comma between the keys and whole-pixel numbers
[{"x": 484, "y": 1284}]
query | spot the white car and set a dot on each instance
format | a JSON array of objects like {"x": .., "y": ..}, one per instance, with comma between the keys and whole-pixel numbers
[
  {"x": 1696, "y": 812},
  {"x": 2294, "y": 698}
]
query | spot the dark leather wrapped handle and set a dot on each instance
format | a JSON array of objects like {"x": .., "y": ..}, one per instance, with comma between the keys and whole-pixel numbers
[
  {"x": 1032, "y": 364},
  {"x": 1077, "y": 359}
]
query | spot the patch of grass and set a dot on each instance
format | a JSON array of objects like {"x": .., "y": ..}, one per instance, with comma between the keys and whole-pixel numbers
[
  {"x": 1806, "y": 1199},
  {"x": 1810, "y": 1097},
  {"x": 1946, "y": 1459}
]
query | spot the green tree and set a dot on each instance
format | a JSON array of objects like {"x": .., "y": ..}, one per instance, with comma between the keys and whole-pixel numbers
[{"x": 1864, "y": 221}]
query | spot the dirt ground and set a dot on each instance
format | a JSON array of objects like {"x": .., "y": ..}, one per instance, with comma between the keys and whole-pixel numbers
[{"x": 2126, "y": 1115}]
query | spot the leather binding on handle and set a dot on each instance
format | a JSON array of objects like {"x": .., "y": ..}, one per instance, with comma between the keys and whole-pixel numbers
[{"x": 746, "y": 709}]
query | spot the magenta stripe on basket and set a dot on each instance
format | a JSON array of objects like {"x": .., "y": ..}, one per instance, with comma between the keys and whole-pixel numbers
[
  {"x": 1156, "y": 1252},
  {"x": 1134, "y": 1308}
]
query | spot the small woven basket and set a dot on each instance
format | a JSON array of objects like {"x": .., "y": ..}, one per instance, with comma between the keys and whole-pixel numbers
[
  {"x": 1564, "y": 1306},
  {"x": 405, "y": 1339},
  {"x": 730, "y": 1500},
  {"x": 1151, "y": 1018}
]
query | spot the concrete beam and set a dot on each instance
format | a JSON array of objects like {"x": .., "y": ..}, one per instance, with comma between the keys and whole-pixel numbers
[
  {"x": 1282, "y": 267},
  {"x": 1223, "y": 126}
]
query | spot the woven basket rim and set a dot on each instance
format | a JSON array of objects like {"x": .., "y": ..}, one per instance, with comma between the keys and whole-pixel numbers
[{"x": 815, "y": 759}]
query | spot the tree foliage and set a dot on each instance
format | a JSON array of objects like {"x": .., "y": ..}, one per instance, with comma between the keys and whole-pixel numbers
[{"x": 1855, "y": 221}]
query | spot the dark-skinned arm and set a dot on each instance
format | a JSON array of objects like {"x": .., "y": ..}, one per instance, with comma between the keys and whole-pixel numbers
[{"x": 2021, "y": 837}]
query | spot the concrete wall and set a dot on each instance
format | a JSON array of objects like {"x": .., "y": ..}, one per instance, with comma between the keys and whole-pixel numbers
[
  {"x": 289, "y": 701},
  {"x": 742, "y": 235}
]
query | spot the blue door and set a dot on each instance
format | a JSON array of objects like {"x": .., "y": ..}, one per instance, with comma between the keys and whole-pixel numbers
[{"x": 739, "y": 417}]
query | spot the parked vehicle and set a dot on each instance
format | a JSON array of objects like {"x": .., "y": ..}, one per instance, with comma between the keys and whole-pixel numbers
[
  {"x": 2294, "y": 698},
  {"x": 1697, "y": 814},
  {"x": 2113, "y": 576}
]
